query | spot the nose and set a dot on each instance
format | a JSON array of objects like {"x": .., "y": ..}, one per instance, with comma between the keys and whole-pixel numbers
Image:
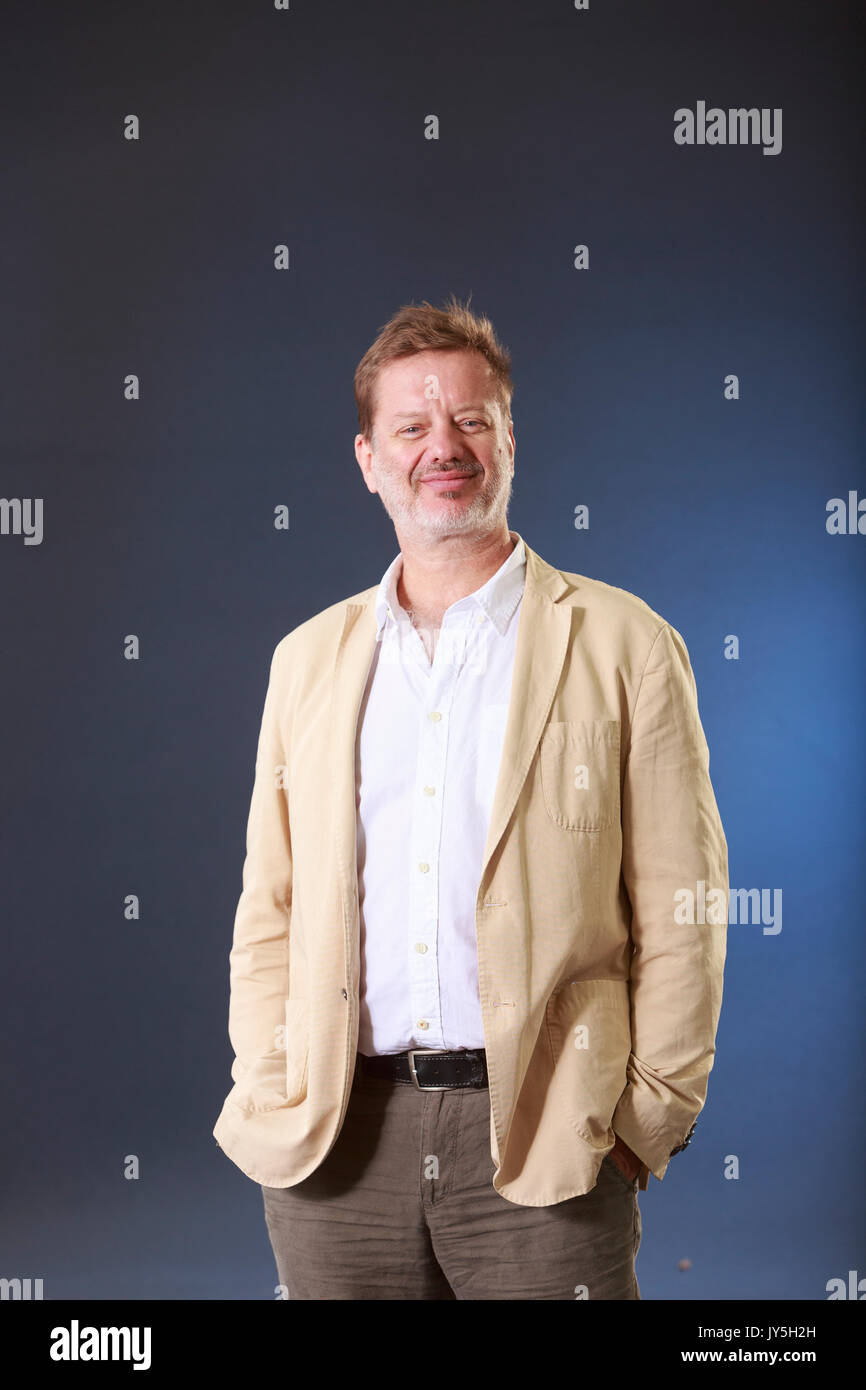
[{"x": 446, "y": 445}]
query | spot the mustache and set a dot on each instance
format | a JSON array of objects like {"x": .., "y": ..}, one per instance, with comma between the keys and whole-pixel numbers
[{"x": 448, "y": 468}]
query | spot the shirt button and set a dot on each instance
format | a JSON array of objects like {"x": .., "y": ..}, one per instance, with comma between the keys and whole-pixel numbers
[
  {"x": 420, "y": 948},
  {"x": 435, "y": 716},
  {"x": 429, "y": 791},
  {"x": 425, "y": 868},
  {"x": 422, "y": 1023}
]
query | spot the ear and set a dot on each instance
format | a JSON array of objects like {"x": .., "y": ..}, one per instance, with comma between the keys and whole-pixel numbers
[{"x": 364, "y": 455}]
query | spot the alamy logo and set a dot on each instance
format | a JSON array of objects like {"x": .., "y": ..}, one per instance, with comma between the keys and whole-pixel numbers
[
  {"x": 736, "y": 126},
  {"x": 76, "y": 1343},
  {"x": 855, "y": 1287},
  {"x": 20, "y": 1288},
  {"x": 22, "y": 516},
  {"x": 708, "y": 906}
]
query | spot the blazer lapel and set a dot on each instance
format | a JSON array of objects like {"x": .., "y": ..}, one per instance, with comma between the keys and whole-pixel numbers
[
  {"x": 543, "y": 634},
  {"x": 351, "y": 668}
]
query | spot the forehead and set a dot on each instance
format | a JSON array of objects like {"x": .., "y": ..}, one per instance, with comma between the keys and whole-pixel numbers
[{"x": 457, "y": 372}]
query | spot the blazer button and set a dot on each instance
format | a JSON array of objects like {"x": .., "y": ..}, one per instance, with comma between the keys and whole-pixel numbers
[
  {"x": 344, "y": 994},
  {"x": 688, "y": 1139}
]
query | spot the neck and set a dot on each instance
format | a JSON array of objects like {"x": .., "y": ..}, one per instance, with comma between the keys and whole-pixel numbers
[{"x": 435, "y": 576}]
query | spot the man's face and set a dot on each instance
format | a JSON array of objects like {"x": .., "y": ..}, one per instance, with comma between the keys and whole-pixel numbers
[{"x": 441, "y": 455}]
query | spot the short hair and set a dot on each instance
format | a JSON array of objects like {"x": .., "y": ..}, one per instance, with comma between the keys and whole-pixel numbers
[{"x": 422, "y": 328}]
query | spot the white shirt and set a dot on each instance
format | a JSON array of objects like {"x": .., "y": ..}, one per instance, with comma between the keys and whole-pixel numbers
[{"x": 427, "y": 759}]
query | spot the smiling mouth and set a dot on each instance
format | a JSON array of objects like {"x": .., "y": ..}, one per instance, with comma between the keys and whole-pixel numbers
[{"x": 446, "y": 482}]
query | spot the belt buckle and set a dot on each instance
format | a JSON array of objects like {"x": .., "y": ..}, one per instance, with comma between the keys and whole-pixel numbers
[{"x": 426, "y": 1051}]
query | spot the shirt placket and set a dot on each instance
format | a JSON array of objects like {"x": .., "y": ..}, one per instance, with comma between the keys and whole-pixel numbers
[{"x": 437, "y": 690}]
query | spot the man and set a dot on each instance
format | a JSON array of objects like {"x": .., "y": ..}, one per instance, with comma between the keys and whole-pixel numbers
[{"x": 471, "y": 1005}]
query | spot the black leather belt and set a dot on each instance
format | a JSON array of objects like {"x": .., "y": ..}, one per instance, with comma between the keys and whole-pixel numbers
[{"x": 429, "y": 1069}]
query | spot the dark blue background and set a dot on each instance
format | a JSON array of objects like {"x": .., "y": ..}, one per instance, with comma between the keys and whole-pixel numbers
[{"x": 156, "y": 257}]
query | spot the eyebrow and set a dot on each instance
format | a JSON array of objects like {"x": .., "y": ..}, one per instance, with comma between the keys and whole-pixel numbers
[{"x": 410, "y": 414}]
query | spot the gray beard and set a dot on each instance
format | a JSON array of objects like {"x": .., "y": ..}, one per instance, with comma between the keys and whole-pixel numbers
[{"x": 483, "y": 512}]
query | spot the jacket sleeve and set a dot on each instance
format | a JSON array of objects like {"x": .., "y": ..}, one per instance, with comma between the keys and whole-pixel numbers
[
  {"x": 674, "y": 853},
  {"x": 259, "y": 957}
]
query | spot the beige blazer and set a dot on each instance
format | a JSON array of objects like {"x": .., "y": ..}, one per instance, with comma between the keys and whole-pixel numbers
[{"x": 600, "y": 990}]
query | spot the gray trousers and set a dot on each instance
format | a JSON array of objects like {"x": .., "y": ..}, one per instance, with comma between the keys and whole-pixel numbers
[{"x": 404, "y": 1207}]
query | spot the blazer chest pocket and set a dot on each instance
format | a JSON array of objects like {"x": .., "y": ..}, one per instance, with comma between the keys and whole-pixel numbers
[{"x": 580, "y": 773}]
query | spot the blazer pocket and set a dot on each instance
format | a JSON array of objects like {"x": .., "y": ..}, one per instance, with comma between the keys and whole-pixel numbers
[
  {"x": 297, "y": 1048},
  {"x": 262, "y": 1085},
  {"x": 589, "y": 1028},
  {"x": 580, "y": 773},
  {"x": 277, "y": 1079}
]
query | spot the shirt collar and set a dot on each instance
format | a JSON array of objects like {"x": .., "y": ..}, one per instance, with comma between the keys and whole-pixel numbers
[{"x": 498, "y": 597}]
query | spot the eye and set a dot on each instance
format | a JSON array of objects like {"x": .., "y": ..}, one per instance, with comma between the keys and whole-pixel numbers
[{"x": 407, "y": 428}]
